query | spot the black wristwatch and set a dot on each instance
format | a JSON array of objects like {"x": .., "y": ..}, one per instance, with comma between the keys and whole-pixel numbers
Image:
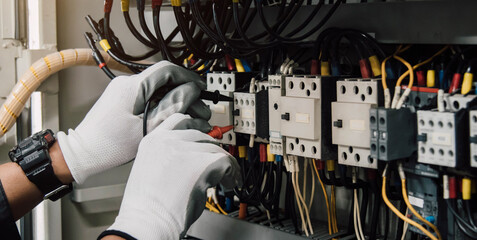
[{"x": 33, "y": 157}]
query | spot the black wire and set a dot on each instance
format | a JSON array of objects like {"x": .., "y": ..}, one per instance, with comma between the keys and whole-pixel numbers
[
  {"x": 189, "y": 40},
  {"x": 295, "y": 39},
  {"x": 118, "y": 52},
  {"x": 166, "y": 53},
  {"x": 134, "y": 31},
  {"x": 144, "y": 120},
  {"x": 469, "y": 213}
]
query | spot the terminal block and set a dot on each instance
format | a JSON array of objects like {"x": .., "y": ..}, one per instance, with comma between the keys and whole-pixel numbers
[
  {"x": 350, "y": 120},
  {"x": 443, "y": 138},
  {"x": 277, "y": 81},
  {"x": 420, "y": 98},
  {"x": 393, "y": 133},
  {"x": 244, "y": 113},
  {"x": 227, "y": 81},
  {"x": 277, "y": 146},
  {"x": 305, "y": 116},
  {"x": 222, "y": 116},
  {"x": 473, "y": 137}
]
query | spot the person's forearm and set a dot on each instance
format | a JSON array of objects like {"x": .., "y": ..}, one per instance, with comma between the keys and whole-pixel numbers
[{"x": 22, "y": 194}]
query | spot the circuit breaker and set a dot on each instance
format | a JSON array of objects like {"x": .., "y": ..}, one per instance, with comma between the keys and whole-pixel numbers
[
  {"x": 442, "y": 139},
  {"x": 275, "y": 92},
  {"x": 305, "y": 116},
  {"x": 350, "y": 121},
  {"x": 222, "y": 116}
]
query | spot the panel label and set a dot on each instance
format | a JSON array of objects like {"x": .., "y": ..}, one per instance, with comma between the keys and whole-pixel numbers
[
  {"x": 247, "y": 114},
  {"x": 357, "y": 125},
  {"x": 302, "y": 118},
  {"x": 418, "y": 202},
  {"x": 441, "y": 139},
  {"x": 217, "y": 109}
]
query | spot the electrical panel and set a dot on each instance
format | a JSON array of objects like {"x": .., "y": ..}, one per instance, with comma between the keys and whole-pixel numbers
[
  {"x": 350, "y": 119},
  {"x": 318, "y": 98}
]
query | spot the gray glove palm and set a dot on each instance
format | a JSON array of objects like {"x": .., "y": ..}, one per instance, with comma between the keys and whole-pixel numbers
[
  {"x": 166, "y": 190},
  {"x": 110, "y": 133}
]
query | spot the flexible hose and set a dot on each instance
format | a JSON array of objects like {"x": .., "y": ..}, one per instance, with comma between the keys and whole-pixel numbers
[{"x": 36, "y": 75}]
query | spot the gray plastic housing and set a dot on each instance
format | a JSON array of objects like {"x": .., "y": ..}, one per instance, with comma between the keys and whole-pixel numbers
[
  {"x": 305, "y": 116},
  {"x": 393, "y": 133},
  {"x": 473, "y": 137},
  {"x": 227, "y": 81},
  {"x": 350, "y": 120},
  {"x": 245, "y": 119},
  {"x": 222, "y": 116}
]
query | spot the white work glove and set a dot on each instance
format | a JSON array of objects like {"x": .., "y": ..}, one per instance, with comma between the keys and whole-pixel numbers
[
  {"x": 110, "y": 133},
  {"x": 166, "y": 190}
]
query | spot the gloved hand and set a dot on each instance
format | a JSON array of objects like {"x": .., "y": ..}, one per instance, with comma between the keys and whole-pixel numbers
[
  {"x": 110, "y": 133},
  {"x": 166, "y": 190}
]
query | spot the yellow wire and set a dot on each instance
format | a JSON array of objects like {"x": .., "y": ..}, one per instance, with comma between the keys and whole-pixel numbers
[
  {"x": 411, "y": 72},
  {"x": 326, "y": 197},
  {"x": 383, "y": 72},
  {"x": 211, "y": 208},
  {"x": 399, "y": 214},
  {"x": 410, "y": 207},
  {"x": 383, "y": 64},
  {"x": 333, "y": 209},
  {"x": 404, "y": 75}
]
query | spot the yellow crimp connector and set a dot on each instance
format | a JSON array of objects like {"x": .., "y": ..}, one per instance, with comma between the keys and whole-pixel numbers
[
  {"x": 235, "y": 1},
  {"x": 431, "y": 78},
  {"x": 467, "y": 82},
  {"x": 466, "y": 188},
  {"x": 242, "y": 151},
  {"x": 270, "y": 156},
  {"x": 176, "y": 3},
  {"x": 238, "y": 65},
  {"x": 105, "y": 45},
  {"x": 325, "y": 69},
  {"x": 125, "y": 5},
  {"x": 375, "y": 65},
  {"x": 330, "y": 165}
]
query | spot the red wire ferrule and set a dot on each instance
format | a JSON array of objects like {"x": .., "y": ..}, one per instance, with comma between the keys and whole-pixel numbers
[
  {"x": 263, "y": 153},
  {"x": 108, "y": 4},
  {"x": 455, "y": 82},
  {"x": 365, "y": 68},
  {"x": 421, "y": 78},
  {"x": 452, "y": 188},
  {"x": 156, "y": 3},
  {"x": 315, "y": 67},
  {"x": 101, "y": 65}
]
